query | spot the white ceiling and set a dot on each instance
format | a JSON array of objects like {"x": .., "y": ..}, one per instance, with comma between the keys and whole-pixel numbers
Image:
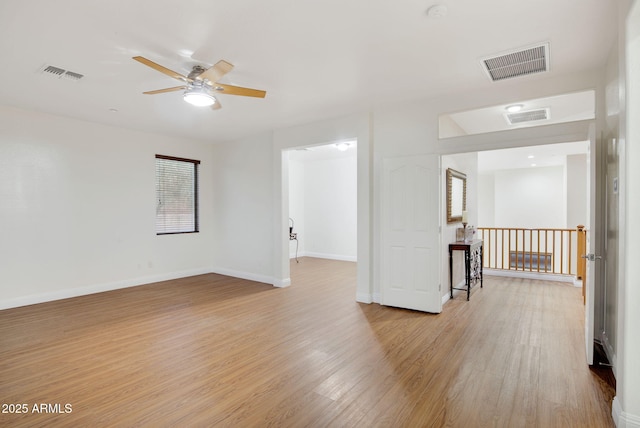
[
  {"x": 324, "y": 152},
  {"x": 529, "y": 157},
  {"x": 560, "y": 108},
  {"x": 315, "y": 59},
  {"x": 541, "y": 156}
]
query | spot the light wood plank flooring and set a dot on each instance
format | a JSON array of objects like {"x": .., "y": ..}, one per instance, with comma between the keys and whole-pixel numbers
[{"x": 217, "y": 351}]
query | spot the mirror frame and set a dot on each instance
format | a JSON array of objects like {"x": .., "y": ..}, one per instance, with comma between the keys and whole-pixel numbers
[{"x": 452, "y": 175}]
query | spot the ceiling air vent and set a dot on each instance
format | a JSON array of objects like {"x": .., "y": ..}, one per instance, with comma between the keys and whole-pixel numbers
[
  {"x": 527, "y": 116},
  {"x": 54, "y": 71},
  {"x": 60, "y": 73},
  {"x": 518, "y": 63},
  {"x": 70, "y": 75}
]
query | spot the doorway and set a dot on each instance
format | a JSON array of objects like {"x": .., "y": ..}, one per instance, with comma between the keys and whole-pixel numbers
[{"x": 322, "y": 201}]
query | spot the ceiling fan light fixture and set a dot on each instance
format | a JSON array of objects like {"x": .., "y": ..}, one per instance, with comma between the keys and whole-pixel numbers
[{"x": 199, "y": 97}]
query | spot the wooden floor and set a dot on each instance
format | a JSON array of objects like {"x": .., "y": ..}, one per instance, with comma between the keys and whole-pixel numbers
[{"x": 217, "y": 351}]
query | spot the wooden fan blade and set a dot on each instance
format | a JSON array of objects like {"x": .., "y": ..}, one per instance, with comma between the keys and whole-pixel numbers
[
  {"x": 238, "y": 90},
  {"x": 162, "y": 69},
  {"x": 216, "y": 105},
  {"x": 216, "y": 72},
  {"x": 162, "y": 91}
]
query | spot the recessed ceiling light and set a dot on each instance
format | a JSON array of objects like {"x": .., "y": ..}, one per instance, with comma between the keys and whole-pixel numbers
[
  {"x": 437, "y": 11},
  {"x": 514, "y": 108},
  {"x": 342, "y": 146},
  {"x": 533, "y": 164},
  {"x": 530, "y": 157}
]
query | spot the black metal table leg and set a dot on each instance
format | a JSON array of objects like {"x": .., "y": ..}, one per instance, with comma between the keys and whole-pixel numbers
[
  {"x": 451, "y": 272},
  {"x": 467, "y": 271}
]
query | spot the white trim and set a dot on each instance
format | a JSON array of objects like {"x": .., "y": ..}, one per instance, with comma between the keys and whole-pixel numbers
[
  {"x": 577, "y": 282},
  {"x": 95, "y": 288},
  {"x": 621, "y": 418},
  {"x": 446, "y": 298},
  {"x": 341, "y": 257},
  {"x": 376, "y": 298},
  {"x": 610, "y": 352},
  {"x": 531, "y": 275},
  {"x": 252, "y": 277},
  {"x": 364, "y": 298},
  {"x": 282, "y": 283}
]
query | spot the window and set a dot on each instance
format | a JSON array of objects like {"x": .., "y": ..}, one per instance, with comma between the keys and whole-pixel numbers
[{"x": 176, "y": 195}]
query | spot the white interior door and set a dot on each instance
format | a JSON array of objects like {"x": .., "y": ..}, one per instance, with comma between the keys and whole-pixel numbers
[
  {"x": 411, "y": 233},
  {"x": 589, "y": 310}
]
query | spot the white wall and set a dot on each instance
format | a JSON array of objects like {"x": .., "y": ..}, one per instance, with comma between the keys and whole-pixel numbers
[
  {"x": 466, "y": 163},
  {"x": 78, "y": 209},
  {"x": 553, "y": 197},
  {"x": 486, "y": 199},
  {"x": 577, "y": 187},
  {"x": 296, "y": 206},
  {"x": 243, "y": 230},
  {"x": 530, "y": 198},
  {"x": 329, "y": 207}
]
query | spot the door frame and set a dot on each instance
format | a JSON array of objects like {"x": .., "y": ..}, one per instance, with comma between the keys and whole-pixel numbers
[
  {"x": 356, "y": 127},
  {"x": 540, "y": 136}
]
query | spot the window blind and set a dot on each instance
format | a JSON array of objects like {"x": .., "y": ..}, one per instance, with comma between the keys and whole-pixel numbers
[{"x": 176, "y": 195}]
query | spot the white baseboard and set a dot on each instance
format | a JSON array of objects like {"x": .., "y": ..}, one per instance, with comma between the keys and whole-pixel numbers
[
  {"x": 364, "y": 298},
  {"x": 134, "y": 282},
  {"x": 95, "y": 288},
  {"x": 446, "y": 298},
  {"x": 621, "y": 418},
  {"x": 282, "y": 283},
  {"x": 531, "y": 275},
  {"x": 340, "y": 257},
  {"x": 609, "y": 351},
  {"x": 252, "y": 277}
]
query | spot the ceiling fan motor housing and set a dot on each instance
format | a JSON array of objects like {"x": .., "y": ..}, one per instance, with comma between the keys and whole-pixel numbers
[{"x": 196, "y": 71}]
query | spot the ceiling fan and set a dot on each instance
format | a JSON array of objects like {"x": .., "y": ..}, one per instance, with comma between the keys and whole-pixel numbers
[{"x": 202, "y": 83}]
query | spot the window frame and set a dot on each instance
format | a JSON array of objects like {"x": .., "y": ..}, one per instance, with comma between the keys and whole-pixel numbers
[{"x": 196, "y": 191}]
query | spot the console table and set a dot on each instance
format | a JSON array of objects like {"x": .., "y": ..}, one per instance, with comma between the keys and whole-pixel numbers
[{"x": 473, "y": 260}]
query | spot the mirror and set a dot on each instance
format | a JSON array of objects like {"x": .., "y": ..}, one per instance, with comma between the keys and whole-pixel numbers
[{"x": 456, "y": 195}]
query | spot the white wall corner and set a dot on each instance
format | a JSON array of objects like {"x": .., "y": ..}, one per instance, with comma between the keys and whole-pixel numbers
[
  {"x": 622, "y": 419},
  {"x": 364, "y": 297},
  {"x": 253, "y": 277},
  {"x": 282, "y": 283}
]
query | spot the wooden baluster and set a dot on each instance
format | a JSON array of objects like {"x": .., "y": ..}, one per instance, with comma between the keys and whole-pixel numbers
[
  {"x": 569, "y": 252},
  {"x": 538, "y": 249}
]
